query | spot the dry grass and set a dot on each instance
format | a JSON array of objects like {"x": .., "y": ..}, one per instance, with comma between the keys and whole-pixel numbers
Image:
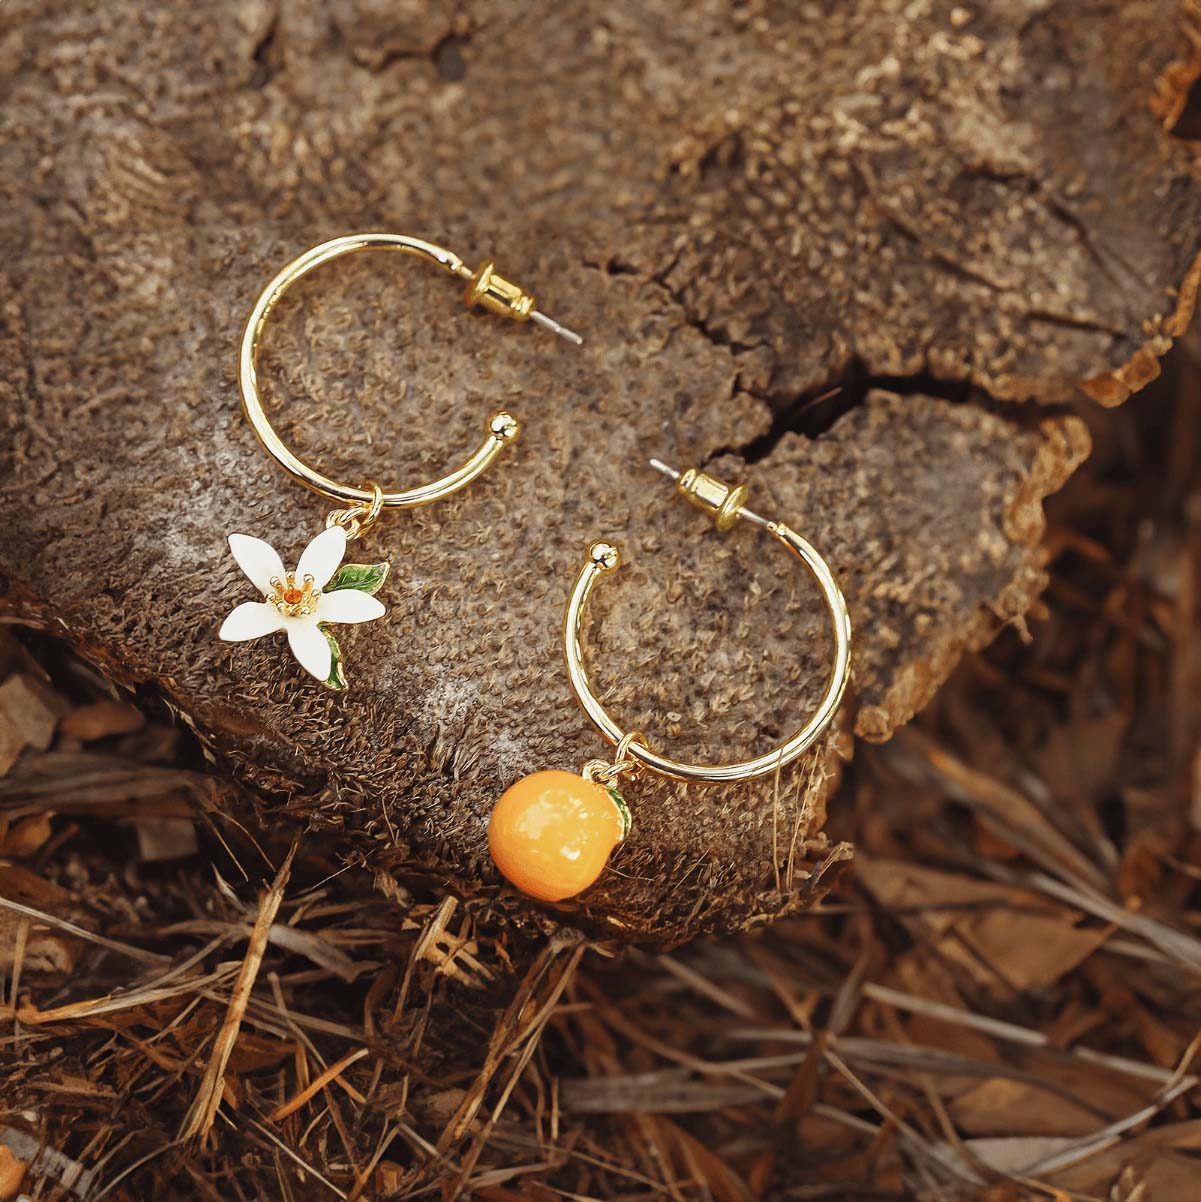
[{"x": 1003, "y": 1002}]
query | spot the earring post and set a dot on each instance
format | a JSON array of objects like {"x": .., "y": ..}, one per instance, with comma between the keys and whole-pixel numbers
[
  {"x": 691, "y": 487},
  {"x": 754, "y": 518},
  {"x": 555, "y": 328}
]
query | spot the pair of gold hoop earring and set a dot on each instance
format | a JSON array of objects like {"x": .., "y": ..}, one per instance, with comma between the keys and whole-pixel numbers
[{"x": 552, "y": 832}]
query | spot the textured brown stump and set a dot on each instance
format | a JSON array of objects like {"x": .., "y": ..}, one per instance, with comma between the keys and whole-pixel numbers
[{"x": 743, "y": 209}]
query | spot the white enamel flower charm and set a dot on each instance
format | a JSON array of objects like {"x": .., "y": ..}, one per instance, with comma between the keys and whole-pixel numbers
[{"x": 304, "y": 602}]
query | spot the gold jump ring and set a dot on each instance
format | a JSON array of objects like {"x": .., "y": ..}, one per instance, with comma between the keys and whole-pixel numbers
[{"x": 357, "y": 519}]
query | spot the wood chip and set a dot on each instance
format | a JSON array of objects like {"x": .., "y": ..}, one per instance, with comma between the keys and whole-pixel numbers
[
  {"x": 29, "y": 714},
  {"x": 45, "y": 949},
  {"x": 101, "y": 719},
  {"x": 12, "y": 1174}
]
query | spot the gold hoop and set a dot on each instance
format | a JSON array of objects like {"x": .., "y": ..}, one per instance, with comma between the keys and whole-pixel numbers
[
  {"x": 725, "y": 506},
  {"x": 485, "y": 288}
]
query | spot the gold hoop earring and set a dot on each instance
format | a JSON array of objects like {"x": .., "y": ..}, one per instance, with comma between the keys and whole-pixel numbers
[
  {"x": 322, "y": 590},
  {"x": 552, "y": 833}
]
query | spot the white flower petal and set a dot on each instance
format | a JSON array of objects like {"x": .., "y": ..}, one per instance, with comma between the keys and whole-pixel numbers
[
  {"x": 251, "y": 621},
  {"x": 310, "y": 647},
  {"x": 258, "y": 560},
  {"x": 320, "y": 559},
  {"x": 349, "y": 605}
]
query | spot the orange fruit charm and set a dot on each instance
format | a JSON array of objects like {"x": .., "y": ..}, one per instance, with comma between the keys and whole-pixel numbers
[{"x": 551, "y": 833}]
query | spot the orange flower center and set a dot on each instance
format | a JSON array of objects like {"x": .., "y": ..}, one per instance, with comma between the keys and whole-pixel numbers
[{"x": 291, "y": 599}]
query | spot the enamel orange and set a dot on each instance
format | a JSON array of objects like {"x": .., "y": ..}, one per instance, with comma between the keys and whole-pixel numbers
[{"x": 551, "y": 833}]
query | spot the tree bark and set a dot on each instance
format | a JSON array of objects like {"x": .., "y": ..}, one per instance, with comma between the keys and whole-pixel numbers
[{"x": 831, "y": 247}]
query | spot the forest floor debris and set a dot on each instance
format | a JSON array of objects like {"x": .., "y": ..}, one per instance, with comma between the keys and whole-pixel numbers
[{"x": 1001, "y": 1001}]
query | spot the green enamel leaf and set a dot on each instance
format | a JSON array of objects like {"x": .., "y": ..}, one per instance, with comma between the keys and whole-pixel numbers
[
  {"x": 627, "y": 819},
  {"x": 366, "y": 577},
  {"x": 337, "y": 680}
]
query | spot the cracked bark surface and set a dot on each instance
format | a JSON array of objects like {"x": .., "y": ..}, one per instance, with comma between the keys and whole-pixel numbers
[{"x": 740, "y": 207}]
